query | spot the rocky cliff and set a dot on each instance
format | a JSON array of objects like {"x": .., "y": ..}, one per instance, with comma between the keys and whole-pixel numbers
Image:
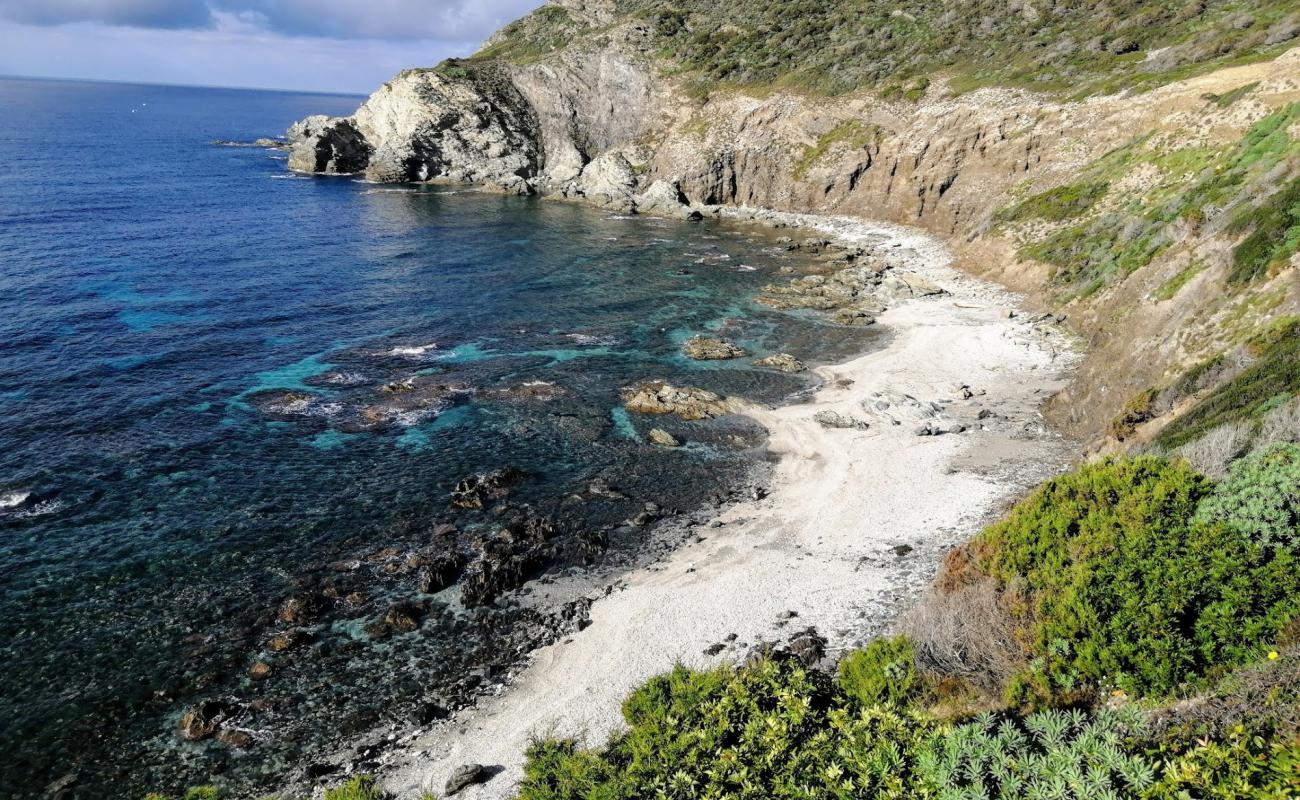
[{"x": 1127, "y": 211}]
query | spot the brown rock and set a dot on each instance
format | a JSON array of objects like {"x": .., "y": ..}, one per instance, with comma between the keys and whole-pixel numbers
[
  {"x": 260, "y": 671},
  {"x": 657, "y": 397}
]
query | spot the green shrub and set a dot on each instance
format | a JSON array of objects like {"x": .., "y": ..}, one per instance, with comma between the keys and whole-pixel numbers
[
  {"x": 1120, "y": 588},
  {"x": 1274, "y": 237},
  {"x": 1261, "y": 497},
  {"x": 772, "y": 730},
  {"x": 360, "y": 787},
  {"x": 1059, "y": 204},
  {"x": 1245, "y": 767},
  {"x": 882, "y": 673},
  {"x": 1053, "y": 754}
]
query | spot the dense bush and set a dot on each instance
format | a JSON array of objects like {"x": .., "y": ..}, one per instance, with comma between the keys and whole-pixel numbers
[
  {"x": 1261, "y": 498},
  {"x": 771, "y": 730},
  {"x": 1056, "y": 754},
  {"x": 1121, "y": 588},
  {"x": 882, "y": 673},
  {"x": 1244, "y": 767}
]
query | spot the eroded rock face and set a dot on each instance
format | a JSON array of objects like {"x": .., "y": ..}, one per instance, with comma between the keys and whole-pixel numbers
[
  {"x": 327, "y": 145},
  {"x": 424, "y": 125}
]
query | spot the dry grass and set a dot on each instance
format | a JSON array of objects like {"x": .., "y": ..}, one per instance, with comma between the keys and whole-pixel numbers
[
  {"x": 1281, "y": 425},
  {"x": 1214, "y": 452},
  {"x": 965, "y": 634}
]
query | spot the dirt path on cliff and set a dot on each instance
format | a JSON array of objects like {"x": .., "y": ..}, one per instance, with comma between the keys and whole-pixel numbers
[{"x": 830, "y": 543}]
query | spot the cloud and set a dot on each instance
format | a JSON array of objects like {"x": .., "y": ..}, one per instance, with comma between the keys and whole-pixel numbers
[
  {"x": 391, "y": 20},
  {"x": 398, "y": 20},
  {"x": 167, "y": 14}
]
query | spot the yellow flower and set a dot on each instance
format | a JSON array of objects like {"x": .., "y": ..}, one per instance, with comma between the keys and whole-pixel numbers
[{"x": 1272, "y": 655}]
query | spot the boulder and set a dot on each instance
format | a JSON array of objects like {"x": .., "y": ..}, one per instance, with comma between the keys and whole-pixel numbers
[
  {"x": 689, "y": 403},
  {"x": 836, "y": 420},
  {"x": 464, "y": 776},
  {"x": 665, "y": 199},
  {"x": 609, "y": 181},
  {"x": 707, "y": 348},
  {"x": 781, "y": 362},
  {"x": 203, "y": 720},
  {"x": 663, "y": 438}
]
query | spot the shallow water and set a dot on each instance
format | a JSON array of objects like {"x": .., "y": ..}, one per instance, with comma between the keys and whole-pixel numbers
[{"x": 193, "y": 414}]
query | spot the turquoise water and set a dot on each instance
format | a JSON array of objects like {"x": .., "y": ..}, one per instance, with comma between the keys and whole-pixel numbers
[{"x": 194, "y": 424}]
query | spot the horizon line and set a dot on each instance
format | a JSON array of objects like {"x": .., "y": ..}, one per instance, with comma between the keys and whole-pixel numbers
[{"x": 161, "y": 84}]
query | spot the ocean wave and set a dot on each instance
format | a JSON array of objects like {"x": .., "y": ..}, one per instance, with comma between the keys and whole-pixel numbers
[
  {"x": 345, "y": 379},
  {"x": 40, "y": 509},
  {"x": 290, "y": 177},
  {"x": 13, "y": 499},
  {"x": 413, "y": 350},
  {"x": 746, "y": 268}
]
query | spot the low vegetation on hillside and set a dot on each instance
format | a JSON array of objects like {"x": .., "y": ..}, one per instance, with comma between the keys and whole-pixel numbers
[
  {"x": 1248, "y": 192},
  {"x": 897, "y": 46},
  {"x": 1112, "y": 593}
]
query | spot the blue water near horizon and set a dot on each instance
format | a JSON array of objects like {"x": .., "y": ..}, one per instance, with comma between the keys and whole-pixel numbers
[{"x": 205, "y": 365}]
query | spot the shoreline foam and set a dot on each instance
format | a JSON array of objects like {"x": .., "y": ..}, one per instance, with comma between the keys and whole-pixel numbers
[{"x": 822, "y": 543}]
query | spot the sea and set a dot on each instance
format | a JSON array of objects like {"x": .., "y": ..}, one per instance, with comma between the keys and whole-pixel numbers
[{"x": 242, "y": 412}]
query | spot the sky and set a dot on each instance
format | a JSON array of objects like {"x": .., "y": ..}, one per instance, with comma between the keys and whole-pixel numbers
[{"x": 348, "y": 46}]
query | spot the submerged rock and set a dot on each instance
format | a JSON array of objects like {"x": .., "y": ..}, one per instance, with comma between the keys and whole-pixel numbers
[
  {"x": 689, "y": 403},
  {"x": 203, "y": 720},
  {"x": 663, "y": 438},
  {"x": 707, "y": 348},
  {"x": 475, "y": 491},
  {"x": 781, "y": 362}
]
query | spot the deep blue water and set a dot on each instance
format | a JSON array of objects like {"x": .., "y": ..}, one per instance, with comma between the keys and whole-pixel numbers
[{"x": 193, "y": 345}]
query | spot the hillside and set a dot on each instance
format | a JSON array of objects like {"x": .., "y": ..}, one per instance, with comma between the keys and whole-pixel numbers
[{"x": 1129, "y": 629}]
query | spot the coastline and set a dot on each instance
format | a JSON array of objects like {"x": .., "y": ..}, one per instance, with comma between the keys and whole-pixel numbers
[{"x": 854, "y": 526}]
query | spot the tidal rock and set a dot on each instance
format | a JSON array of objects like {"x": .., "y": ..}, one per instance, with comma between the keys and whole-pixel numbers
[
  {"x": 475, "y": 491},
  {"x": 260, "y": 671},
  {"x": 203, "y": 720},
  {"x": 299, "y": 609},
  {"x": 240, "y": 740},
  {"x": 464, "y": 776},
  {"x": 689, "y": 403},
  {"x": 287, "y": 640},
  {"x": 834, "y": 419},
  {"x": 707, "y": 348},
  {"x": 439, "y": 572},
  {"x": 663, "y": 438},
  {"x": 781, "y": 362},
  {"x": 910, "y": 284},
  {"x": 508, "y": 558},
  {"x": 600, "y": 487}
]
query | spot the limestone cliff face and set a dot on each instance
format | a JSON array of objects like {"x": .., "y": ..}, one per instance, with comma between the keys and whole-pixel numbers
[{"x": 601, "y": 120}]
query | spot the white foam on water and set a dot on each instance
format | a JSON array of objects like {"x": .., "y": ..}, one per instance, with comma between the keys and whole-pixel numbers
[
  {"x": 13, "y": 499},
  {"x": 746, "y": 268},
  {"x": 413, "y": 350},
  {"x": 40, "y": 509},
  {"x": 589, "y": 339}
]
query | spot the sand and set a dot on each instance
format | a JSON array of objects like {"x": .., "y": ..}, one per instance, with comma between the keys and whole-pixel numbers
[{"x": 823, "y": 543}]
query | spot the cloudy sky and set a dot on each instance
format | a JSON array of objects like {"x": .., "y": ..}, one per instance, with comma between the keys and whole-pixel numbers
[{"x": 321, "y": 45}]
